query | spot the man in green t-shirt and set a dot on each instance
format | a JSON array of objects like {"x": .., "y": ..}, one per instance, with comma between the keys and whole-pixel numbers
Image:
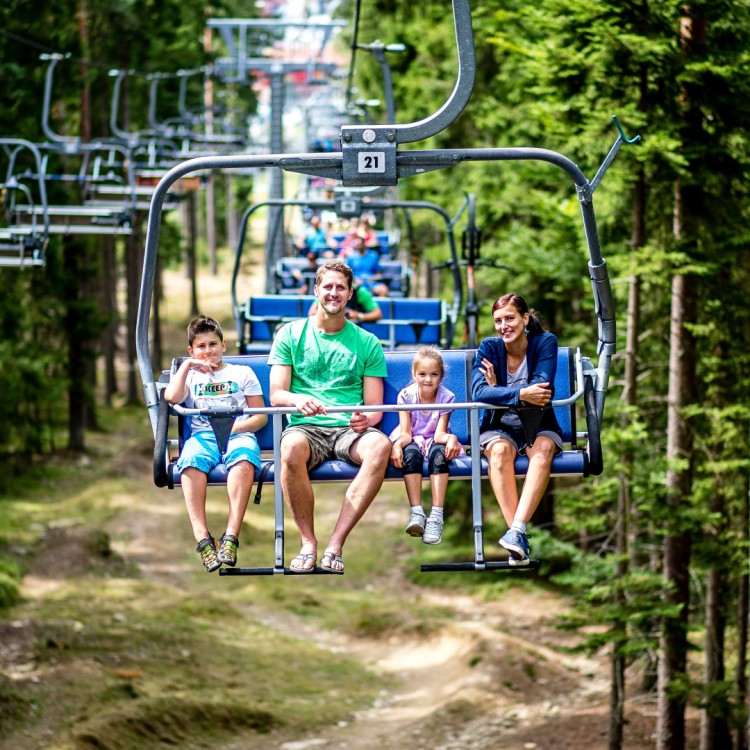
[{"x": 319, "y": 362}]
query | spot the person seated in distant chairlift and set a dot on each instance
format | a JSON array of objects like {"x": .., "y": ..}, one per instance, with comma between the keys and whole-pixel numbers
[
  {"x": 347, "y": 244},
  {"x": 305, "y": 277},
  {"x": 314, "y": 239},
  {"x": 365, "y": 265}
]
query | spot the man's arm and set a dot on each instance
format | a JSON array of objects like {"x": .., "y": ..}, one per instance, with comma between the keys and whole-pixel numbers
[
  {"x": 372, "y": 392},
  {"x": 280, "y": 381}
]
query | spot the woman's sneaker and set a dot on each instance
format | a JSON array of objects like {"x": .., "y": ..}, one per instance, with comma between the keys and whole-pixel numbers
[
  {"x": 517, "y": 544},
  {"x": 415, "y": 527},
  {"x": 228, "y": 549},
  {"x": 207, "y": 550},
  {"x": 433, "y": 531}
]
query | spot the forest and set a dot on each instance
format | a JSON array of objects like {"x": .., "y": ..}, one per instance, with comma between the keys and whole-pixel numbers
[{"x": 661, "y": 537}]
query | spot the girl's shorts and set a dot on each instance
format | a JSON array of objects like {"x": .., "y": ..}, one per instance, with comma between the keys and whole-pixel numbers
[{"x": 201, "y": 451}]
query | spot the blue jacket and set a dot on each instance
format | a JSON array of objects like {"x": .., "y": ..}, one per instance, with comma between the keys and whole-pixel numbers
[{"x": 541, "y": 356}]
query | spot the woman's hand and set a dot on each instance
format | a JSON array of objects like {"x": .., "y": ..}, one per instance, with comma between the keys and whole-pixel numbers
[
  {"x": 538, "y": 394},
  {"x": 488, "y": 370}
]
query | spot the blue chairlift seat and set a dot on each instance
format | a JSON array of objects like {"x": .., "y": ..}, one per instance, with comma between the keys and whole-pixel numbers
[
  {"x": 406, "y": 321},
  {"x": 573, "y": 460}
]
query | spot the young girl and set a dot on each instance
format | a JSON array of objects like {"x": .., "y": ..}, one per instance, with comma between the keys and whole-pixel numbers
[{"x": 424, "y": 434}]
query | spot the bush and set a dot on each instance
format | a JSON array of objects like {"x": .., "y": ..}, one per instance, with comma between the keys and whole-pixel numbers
[{"x": 10, "y": 577}]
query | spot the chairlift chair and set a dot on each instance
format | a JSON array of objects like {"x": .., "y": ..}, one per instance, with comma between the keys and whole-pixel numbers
[{"x": 371, "y": 156}]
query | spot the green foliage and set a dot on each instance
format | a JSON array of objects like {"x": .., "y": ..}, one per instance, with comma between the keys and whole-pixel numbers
[
  {"x": 550, "y": 74},
  {"x": 10, "y": 580}
]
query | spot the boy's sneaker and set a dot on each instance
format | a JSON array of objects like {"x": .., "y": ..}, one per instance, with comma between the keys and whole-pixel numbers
[
  {"x": 415, "y": 527},
  {"x": 517, "y": 545},
  {"x": 228, "y": 549},
  {"x": 433, "y": 531},
  {"x": 207, "y": 550}
]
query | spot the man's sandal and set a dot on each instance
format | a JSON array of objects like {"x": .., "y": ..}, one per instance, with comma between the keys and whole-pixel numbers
[
  {"x": 334, "y": 560},
  {"x": 298, "y": 563}
]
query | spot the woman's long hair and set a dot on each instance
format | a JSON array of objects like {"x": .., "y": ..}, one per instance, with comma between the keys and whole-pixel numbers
[{"x": 511, "y": 298}]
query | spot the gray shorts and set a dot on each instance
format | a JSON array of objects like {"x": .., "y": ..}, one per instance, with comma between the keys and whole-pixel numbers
[
  {"x": 327, "y": 443},
  {"x": 517, "y": 439}
]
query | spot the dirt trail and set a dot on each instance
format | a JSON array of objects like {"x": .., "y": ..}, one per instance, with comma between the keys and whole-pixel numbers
[{"x": 489, "y": 679}]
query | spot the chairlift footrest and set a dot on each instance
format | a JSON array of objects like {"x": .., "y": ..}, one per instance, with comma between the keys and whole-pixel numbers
[
  {"x": 276, "y": 571},
  {"x": 478, "y": 567}
]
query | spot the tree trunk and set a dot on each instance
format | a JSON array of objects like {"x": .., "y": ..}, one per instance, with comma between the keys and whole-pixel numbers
[
  {"x": 672, "y": 692},
  {"x": 232, "y": 218},
  {"x": 623, "y": 531},
  {"x": 157, "y": 354},
  {"x": 689, "y": 207},
  {"x": 714, "y": 731},
  {"x": 742, "y": 740},
  {"x": 673, "y": 643},
  {"x": 211, "y": 223},
  {"x": 92, "y": 293},
  {"x": 109, "y": 308},
  {"x": 190, "y": 253},
  {"x": 77, "y": 401}
]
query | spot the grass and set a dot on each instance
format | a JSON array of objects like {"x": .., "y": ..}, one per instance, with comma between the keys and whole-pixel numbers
[{"x": 117, "y": 659}]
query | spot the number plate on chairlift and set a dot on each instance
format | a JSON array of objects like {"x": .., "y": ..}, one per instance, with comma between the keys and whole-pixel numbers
[
  {"x": 372, "y": 161},
  {"x": 368, "y": 156}
]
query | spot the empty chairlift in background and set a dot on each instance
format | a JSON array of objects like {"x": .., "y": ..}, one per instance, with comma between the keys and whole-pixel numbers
[{"x": 22, "y": 244}]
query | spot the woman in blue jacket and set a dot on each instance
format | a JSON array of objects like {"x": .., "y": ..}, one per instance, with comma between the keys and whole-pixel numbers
[{"x": 516, "y": 368}]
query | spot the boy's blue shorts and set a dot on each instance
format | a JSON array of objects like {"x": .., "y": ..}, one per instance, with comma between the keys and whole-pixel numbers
[{"x": 201, "y": 451}]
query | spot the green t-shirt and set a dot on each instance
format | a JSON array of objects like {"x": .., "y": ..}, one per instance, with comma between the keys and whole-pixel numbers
[
  {"x": 329, "y": 366},
  {"x": 362, "y": 300}
]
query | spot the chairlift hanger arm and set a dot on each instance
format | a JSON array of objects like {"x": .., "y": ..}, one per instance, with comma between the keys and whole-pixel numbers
[
  {"x": 378, "y": 50},
  {"x": 613, "y": 152},
  {"x": 13, "y": 147},
  {"x": 66, "y": 143},
  {"x": 385, "y": 137}
]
